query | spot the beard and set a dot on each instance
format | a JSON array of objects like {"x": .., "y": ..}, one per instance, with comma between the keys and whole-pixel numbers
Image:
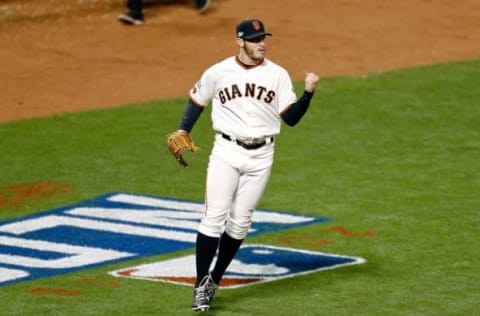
[{"x": 253, "y": 54}]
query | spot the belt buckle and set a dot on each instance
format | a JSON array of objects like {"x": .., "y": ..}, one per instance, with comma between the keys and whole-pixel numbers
[
  {"x": 252, "y": 140},
  {"x": 249, "y": 141}
]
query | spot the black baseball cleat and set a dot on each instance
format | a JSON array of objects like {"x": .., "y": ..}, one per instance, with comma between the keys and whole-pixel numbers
[
  {"x": 203, "y": 294},
  {"x": 131, "y": 18},
  {"x": 203, "y": 5}
]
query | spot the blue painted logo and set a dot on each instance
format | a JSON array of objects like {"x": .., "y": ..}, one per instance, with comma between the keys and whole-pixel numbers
[{"x": 110, "y": 228}]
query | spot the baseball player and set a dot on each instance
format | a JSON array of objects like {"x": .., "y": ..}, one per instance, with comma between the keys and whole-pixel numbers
[{"x": 250, "y": 97}]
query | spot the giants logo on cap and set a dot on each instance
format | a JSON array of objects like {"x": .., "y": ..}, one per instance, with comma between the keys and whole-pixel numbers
[{"x": 256, "y": 25}]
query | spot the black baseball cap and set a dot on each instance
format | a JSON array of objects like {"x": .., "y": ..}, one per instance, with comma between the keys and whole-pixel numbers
[{"x": 250, "y": 29}]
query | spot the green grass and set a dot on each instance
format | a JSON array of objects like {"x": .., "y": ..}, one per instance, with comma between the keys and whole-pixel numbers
[{"x": 397, "y": 153}]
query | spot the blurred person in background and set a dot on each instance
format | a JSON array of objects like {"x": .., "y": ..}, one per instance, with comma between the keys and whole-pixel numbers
[{"x": 134, "y": 15}]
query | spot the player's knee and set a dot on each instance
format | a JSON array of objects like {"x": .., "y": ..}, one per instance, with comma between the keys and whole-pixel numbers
[
  {"x": 238, "y": 230},
  {"x": 211, "y": 226},
  {"x": 209, "y": 230},
  {"x": 213, "y": 221}
]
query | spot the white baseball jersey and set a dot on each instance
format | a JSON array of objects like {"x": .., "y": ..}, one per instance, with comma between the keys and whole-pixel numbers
[{"x": 246, "y": 103}]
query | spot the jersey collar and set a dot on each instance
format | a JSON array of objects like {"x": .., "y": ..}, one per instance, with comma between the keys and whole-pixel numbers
[{"x": 245, "y": 66}]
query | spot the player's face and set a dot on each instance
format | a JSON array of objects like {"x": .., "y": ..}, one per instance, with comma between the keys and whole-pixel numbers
[{"x": 255, "y": 48}]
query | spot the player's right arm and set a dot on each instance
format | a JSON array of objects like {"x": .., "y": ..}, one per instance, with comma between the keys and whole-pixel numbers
[
  {"x": 191, "y": 115},
  {"x": 200, "y": 96}
]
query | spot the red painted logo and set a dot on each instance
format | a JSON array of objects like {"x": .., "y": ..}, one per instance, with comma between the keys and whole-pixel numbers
[{"x": 23, "y": 194}]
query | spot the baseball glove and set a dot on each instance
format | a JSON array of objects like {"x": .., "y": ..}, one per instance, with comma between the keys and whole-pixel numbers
[{"x": 178, "y": 142}]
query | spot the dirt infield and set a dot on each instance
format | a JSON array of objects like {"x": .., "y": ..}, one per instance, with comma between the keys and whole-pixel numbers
[{"x": 60, "y": 56}]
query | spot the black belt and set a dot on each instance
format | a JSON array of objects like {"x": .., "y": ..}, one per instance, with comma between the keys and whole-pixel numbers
[{"x": 249, "y": 146}]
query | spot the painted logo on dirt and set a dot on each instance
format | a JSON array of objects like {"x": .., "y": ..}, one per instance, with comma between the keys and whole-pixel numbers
[
  {"x": 252, "y": 264},
  {"x": 107, "y": 229}
]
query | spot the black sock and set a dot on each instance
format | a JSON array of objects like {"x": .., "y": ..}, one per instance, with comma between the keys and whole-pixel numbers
[
  {"x": 226, "y": 251},
  {"x": 205, "y": 252}
]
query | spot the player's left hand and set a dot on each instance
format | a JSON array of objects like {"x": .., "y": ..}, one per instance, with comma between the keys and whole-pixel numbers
[
  {"x": 178, "y": 142},
  {"x": 311, "y": 80}
]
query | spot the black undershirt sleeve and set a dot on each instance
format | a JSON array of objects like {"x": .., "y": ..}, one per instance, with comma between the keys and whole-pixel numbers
[
  {"x": 295, "y": 112},
  {"x": 191, "y": 115}
]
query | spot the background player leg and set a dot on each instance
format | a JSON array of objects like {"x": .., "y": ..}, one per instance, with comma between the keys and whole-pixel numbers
[{"x": 134, "y": 15}]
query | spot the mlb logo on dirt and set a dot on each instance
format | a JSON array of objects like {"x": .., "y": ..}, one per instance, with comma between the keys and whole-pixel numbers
[{"x": 253, "y": 264}]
